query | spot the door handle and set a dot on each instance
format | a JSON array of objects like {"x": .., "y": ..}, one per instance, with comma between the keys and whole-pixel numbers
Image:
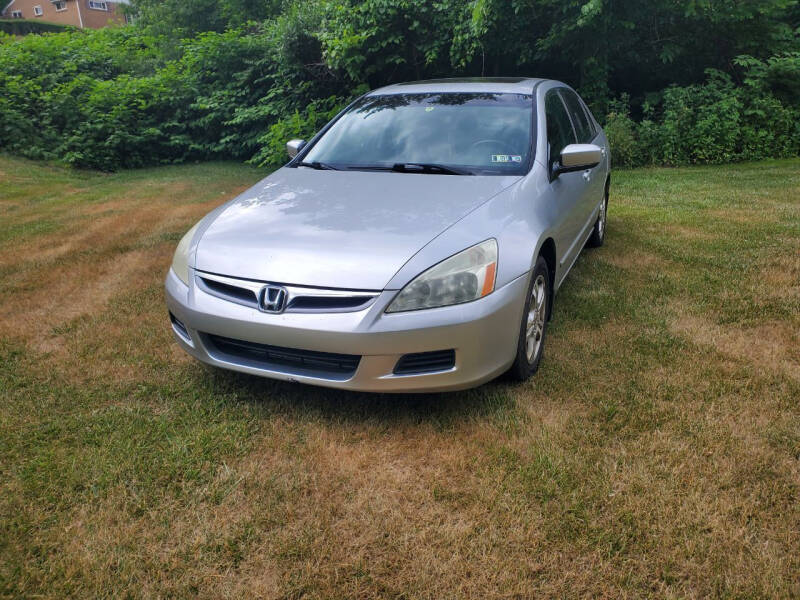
[{"x": 587, "y": 175}]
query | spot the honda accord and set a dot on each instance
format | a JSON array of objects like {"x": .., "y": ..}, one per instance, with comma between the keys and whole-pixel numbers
[{"x": 414, "y": 244}]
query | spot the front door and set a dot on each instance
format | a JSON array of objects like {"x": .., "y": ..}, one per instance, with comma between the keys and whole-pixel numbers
[
  {"x": 593, "y": 178},
  {"x": 567, "y": 190}
]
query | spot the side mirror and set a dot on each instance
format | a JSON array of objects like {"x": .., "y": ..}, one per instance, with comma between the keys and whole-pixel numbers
[
  {"x": 577, "y": 157},
  {"x": 294, "y": 146}
]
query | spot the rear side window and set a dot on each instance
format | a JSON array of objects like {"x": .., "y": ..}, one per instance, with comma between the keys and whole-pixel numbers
[
  {"x": 559, "y": 128},
  {"x": 583, "y": 128},
  {"x": 590, "y": 118}
]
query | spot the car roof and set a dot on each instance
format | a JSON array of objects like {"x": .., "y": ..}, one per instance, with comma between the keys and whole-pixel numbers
[{"x": 497, "y": 85}]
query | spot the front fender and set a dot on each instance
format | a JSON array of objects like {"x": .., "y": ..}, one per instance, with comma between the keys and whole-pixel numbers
[{"x": 518, "y": 218}]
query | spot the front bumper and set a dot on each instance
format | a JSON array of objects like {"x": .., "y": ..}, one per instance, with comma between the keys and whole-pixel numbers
[{"x": 483, "y": 333}]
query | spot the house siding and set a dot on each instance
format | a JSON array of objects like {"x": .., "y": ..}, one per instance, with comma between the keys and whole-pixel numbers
[
  {"x": 99, "y": 18},
  {"x": 88, "y": 17}
]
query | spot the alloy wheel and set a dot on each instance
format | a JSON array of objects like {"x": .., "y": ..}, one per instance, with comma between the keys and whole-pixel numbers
[
  {"x": 601, "y": 221},
  {"x": 536, "y": 317}
]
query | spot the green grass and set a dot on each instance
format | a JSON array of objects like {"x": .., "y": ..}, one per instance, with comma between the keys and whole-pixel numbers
[{"x": 655, "y": 454}]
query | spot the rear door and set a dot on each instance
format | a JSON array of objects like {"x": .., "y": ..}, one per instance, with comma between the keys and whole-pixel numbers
[
  {"x": 567, "y": 191},
  {"x": 594, "y": 182}
]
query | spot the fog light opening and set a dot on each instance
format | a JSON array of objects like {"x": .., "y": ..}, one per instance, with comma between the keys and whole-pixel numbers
[{"x": 179, "y": 327}]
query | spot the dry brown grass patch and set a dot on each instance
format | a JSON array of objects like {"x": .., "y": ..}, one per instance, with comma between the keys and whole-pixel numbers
[
  {"x": 773, "y": 347},
  {"x": 690, "y": 233},
  {"x": 781, "y": 276},
  {"x": 637, "y": 260},
  {"x": 746, "y": 217}
]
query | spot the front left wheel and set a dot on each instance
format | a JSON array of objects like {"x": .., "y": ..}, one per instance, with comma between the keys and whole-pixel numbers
[{"x": 534, "y": 324}]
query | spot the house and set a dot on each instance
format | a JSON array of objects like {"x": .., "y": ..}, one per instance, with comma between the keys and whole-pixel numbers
[{"x": 78, "y": 13}]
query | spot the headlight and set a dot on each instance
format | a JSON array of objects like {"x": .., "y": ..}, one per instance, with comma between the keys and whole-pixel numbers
[
  {"x": 467, "y": 276},
  {"x": 180, "y": 262}
]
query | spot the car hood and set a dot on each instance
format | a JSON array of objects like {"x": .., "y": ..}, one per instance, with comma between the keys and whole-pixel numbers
[{"x": 336, "y": 229}]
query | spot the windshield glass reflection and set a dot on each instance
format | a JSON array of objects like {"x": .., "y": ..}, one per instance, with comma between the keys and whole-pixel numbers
[{"x": 485, "y": 133}]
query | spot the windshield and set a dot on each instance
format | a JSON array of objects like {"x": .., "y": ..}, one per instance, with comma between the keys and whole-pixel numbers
[{"x": 469, "y": 133}]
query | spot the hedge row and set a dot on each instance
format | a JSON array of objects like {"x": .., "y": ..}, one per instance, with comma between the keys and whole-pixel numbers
[
  {"x": 120, "y": 98},
  {"x": 25, "y": 26}
]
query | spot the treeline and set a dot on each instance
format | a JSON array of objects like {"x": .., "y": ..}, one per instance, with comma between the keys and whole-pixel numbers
[{"x": 699, "y": 81}]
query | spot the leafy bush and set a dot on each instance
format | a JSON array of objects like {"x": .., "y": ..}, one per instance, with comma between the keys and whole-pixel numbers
[
  {"x": 621, "y": 132},
  {"x": 116, "y": 98},
  {"x": 296, "y": 126},
  {"x": 26, "y": 26},
  {"x": 137, "y": 95},
  {"x": 709, "y": 123}
]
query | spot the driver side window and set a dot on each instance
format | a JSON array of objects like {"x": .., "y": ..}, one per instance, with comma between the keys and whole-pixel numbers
[{"x": 559, "y": 128}]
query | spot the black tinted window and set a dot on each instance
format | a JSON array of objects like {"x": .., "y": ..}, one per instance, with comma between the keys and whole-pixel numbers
[
  {"x": 592, "y": 124},
  {"x": 583, "y": 127},
  {"x": 559, "y": 128}
]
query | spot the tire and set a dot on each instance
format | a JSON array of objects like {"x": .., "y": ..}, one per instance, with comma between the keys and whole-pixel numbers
[
  {"x": 599, "y": 232},
  {"x": 529, "y": 350}
]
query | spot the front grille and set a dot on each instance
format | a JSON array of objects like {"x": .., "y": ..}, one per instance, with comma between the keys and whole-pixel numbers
[
  {"x": 300, "y": 299},
  {"x": 328, "y": 303},
  {"x": 272, "y": 356},
  {"x": 425, "y": 362},
  {"x": 231, "y": 292}
]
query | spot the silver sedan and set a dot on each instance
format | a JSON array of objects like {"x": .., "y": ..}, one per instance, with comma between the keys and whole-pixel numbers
[{"x": 416, "y": 243}]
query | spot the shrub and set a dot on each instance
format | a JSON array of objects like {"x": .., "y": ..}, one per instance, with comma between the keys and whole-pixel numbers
[
  {"x": 621, "y": 132},
  {"x": 125, "y": 97},
  {"x": 26, "y": 26},
  {"x": 709, "y": 123},
  {"x": 297, "y": 126}
]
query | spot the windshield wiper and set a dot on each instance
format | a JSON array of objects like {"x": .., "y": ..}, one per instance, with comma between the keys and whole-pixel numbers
[
  {"x": 319, "y": 166},
  {"x": 411, "y": 167},
  {"x": 433, "y": 168}
]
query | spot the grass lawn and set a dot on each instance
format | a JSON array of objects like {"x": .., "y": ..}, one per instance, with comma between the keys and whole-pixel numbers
[{"x": 656, "y": 453}]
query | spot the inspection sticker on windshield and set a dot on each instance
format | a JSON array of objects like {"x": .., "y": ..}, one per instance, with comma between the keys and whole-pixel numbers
[{"x": 506, "y": 158}]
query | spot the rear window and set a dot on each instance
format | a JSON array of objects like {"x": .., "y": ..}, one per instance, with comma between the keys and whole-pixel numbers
[{"x": 583, "y": 127}]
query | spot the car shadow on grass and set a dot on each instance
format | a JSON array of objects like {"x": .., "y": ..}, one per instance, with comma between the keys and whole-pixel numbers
[{"x": 493, "y": 400}]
